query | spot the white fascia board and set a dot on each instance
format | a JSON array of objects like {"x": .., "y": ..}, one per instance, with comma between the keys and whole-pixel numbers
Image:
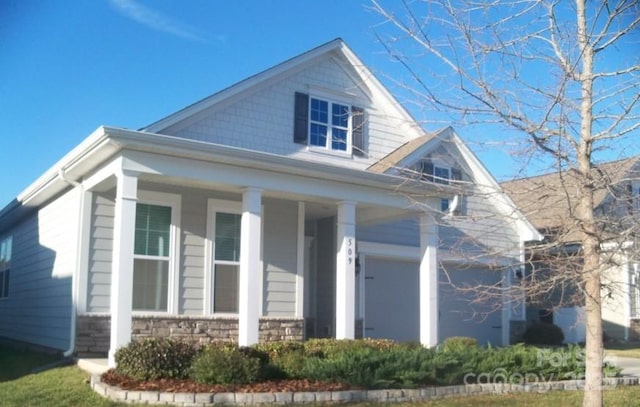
[
  {"x": 217, "y": 173},
  {"x": 197, "y": 153},
  {"x": 380, "y": 92},
  {"x": 87, "y": 155},
  {"x": 487, "y": 183}
]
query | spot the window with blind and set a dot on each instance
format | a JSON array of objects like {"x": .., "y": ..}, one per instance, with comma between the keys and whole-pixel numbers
[
  {"x": 226, "y": 262},
  {"x": 151, "y": 257},
  {"x": 5, "y": 265}
]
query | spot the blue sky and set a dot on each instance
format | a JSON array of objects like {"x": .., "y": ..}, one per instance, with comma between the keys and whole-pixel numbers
[{"x": 67, "y": 67}]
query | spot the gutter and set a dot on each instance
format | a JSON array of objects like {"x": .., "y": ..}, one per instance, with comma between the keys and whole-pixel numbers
[{"x": 74, "y": 278}]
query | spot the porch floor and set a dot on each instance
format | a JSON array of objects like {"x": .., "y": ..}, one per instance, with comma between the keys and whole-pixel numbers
[{"x": 93, "y": 366}]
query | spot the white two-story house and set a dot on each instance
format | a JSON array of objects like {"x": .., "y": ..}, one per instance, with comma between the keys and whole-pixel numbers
[{"x": 301, "y": 202}]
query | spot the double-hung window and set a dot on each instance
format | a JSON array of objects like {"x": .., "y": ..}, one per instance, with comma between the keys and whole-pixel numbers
[
  {"x": 634, "y": 292},
  {"x": 226, "y": 262},
  {"x": 5, "y": 265},
  {"x": 152, "y": 257},
  {"x": 329, "y": 125},
  {"x": 322, "y": 123}
]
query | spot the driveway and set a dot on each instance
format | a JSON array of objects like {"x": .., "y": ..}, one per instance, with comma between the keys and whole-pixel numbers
[{"x": 630, "y": 366}]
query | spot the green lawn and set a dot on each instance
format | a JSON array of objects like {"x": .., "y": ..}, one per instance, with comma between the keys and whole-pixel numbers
[
  {"x": 69, "y": 386},
  {"x": 627, "y": 349}
]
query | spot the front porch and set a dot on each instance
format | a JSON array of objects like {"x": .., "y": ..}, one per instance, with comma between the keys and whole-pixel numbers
[{"x": 268, "y": 260}]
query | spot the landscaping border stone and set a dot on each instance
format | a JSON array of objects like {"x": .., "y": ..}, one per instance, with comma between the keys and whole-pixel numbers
[{"x": 344, "y": 396}]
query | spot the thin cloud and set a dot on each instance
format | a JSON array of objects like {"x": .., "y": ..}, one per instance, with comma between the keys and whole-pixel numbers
[{"x": 156, "y": 20}]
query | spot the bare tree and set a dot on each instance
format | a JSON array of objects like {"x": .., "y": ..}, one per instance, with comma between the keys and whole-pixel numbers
[{"x": 563, "y": 76}]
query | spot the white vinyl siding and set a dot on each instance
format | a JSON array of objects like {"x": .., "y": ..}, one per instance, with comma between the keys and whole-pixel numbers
[
  {"x": 100, "y": 249},
  {"x": 280, "y": 254},
  {"x": 43, "y": 261}
]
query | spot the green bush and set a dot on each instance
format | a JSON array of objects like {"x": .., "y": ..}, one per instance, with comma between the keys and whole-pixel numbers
[
  {"x": 226, "y": 365},
  {"x": 329, "y": 348},
  {"x": 152, "y": 359},
  {"x": 458, "y": 343},
  {"x": 541, "y": 333},
  {"x": 366, "y": 367},
  {"x": 285, "y": 360}
]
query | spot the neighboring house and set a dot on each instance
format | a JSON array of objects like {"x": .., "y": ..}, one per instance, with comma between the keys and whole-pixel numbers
[
  {"x": 278, "y": 208},
  {"x": 548, "y": 201}
]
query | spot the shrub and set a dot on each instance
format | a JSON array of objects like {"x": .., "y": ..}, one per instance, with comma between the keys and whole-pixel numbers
[
  {"x": 226, "y": 365},
  {"x": 458, "y": 343},
  {"x": 367, "y": 367},
  {"x": 152, "y": 359},
  {"x": 541, "y": 333},
  {"x": 329, "y": 348},
  {"x": 285, "y": 360}
]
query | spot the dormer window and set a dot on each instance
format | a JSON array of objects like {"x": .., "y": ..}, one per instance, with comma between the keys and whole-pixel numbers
[
  {"x": 321, "y": 123},
  {"x": 439, "y": 174},
  {"x": 329, "y": 125}
]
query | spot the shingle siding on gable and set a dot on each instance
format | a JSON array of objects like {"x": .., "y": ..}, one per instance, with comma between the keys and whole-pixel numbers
[{"x": 263, "y": 120}]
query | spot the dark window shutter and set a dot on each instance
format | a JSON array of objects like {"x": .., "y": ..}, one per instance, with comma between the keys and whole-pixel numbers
[
  {"x": 456, "y": 174},
  {"x": 301, "y": 118},
  {"x": 357, "y": 131},
  {"x": 427, "y": 171}
]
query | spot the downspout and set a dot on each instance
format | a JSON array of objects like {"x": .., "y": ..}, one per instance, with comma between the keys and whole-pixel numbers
[{"x": 74, "y": 280}]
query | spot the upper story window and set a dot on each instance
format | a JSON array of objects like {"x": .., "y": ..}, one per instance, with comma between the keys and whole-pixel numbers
[
  {"x": 5, "y": 265},
  {"x": 331, "y": 125},
  {"x": 439, "y": 174}
]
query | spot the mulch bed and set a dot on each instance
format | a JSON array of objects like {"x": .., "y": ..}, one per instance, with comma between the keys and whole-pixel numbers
[{"x": 189, "y": 386}]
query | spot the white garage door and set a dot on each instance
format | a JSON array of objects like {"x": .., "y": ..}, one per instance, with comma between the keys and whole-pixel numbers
[
  {"x": 460, "y": 316},
  {"x": 391, "y": 300},
  {"x": 392, "y": 303}
]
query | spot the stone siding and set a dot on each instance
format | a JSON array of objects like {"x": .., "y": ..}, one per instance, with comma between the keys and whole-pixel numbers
[
  {"x": 93, "y": 331},
  {"x": 634, "y": 330}
]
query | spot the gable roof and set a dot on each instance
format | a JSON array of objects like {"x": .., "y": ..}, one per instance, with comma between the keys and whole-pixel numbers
[
  {"x": 413, "y": 150},
  {"x": 548, "y": 200},
  {"x": 336, "y": 47},
  {"x": 395, "y": 158}
]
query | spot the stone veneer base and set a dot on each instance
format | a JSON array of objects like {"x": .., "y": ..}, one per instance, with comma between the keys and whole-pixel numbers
[
  {"x": 93, "y": 330},
  {"x": 382, "y": 396}
]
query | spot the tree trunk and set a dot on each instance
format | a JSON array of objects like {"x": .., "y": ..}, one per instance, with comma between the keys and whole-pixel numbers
[
  {"x": 589, "y": 229},
  {"x": 594, "y": 348}
]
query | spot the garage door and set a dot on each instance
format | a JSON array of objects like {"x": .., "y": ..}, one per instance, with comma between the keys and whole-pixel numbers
[
  {"x": 391, "y": 300},
  {"x": 392, "y": 303},
  {"x": 459, "y": 316}
]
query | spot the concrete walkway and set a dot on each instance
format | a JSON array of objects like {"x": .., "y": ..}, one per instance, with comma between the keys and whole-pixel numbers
[
  {"x": 630, "y": 366},
  {"x": 93, "y": 366}
]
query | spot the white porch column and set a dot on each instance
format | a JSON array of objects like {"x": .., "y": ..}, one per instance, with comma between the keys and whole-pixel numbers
[
  {"x": 124, "y": 224},
  {"x": 249, "y": 284},
  {"x": 346, "y": 270},
  {"x": 300, "y": 263},
  {"x": 428, "y": 280}
]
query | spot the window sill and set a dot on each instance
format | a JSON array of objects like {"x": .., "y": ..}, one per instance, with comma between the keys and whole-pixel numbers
[{"x": 325, "y": 151}]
